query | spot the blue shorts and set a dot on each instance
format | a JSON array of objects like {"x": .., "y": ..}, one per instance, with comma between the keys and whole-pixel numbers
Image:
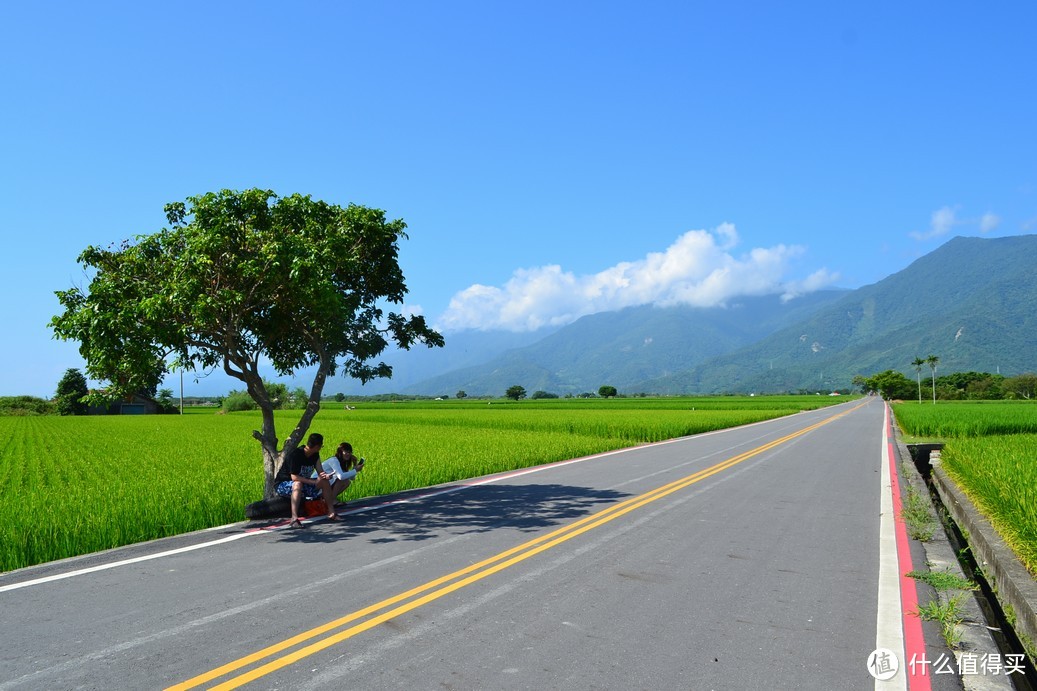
[{"x": 284, "y": 488}]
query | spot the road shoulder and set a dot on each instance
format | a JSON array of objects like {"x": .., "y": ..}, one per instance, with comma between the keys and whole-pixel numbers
[{"x": 938, "y": 555}]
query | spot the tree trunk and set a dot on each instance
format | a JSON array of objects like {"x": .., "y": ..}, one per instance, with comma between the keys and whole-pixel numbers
[
  {"x": 271, "y": 464},
  {"x": 274, "y": 457}
]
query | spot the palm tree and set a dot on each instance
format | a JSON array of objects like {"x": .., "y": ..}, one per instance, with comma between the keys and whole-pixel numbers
[
  {"x": 917, "y": 364},
  {"x": 931, "y": 361}
]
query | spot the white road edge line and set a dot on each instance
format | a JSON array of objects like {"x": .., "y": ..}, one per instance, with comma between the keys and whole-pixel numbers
[
  {"x": 124, "y": 562},
  {"x": 261, "y": 531},
  {"x": 888, "y": 631}
]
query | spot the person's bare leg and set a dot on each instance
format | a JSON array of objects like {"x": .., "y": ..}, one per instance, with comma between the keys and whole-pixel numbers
[
  {"x": 296, "y": 505},
  {"x": 339, "y": 487},
  {"x": 329, "y": 497}
]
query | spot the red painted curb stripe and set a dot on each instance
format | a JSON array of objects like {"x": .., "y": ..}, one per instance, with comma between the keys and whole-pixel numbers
[{"x": 914, "y": 638}]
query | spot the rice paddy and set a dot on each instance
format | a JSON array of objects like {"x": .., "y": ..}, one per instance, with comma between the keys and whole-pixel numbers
[
  {"x": 990, "y": 451},
  {"x": 75, "y": 485}
]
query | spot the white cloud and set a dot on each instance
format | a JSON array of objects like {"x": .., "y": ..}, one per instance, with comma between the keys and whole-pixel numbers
[
  {"x": 697, "y": 269},
  {"x": 822, "y": 278},
  {"x": 946, "y": 218},
  {"x": 943, "y": 220},
  {"x": 989, "y": 222},
  {"x": 940, "y": 223}
]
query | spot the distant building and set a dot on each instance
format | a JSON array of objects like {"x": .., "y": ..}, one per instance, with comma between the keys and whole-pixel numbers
[{"x": 131, "y": 405}]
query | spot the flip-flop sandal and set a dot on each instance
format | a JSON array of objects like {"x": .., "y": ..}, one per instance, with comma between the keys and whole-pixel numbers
[
  {"x": 333, "y": 517},
  {"x": 296, "y": 524}
]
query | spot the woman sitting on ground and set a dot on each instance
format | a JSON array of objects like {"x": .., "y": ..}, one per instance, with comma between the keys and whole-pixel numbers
[{"x": 348, "y": 466}]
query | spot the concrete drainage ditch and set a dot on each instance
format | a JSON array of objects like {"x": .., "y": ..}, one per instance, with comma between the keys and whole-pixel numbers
[{"x": 1007, "y": 594}]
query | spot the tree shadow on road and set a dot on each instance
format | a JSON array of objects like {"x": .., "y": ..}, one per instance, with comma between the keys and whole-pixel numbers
[{"x": 417, "y": 516}]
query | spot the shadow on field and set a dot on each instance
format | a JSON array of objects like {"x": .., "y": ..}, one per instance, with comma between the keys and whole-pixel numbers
[{"x": 475, "y": 509}]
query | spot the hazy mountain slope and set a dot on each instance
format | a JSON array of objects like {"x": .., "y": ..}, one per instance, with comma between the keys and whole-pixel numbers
[
  {"x": 420, "y": 363},
  {"x": 972, "y": 302},
  {"x": 624, "y": 347}
]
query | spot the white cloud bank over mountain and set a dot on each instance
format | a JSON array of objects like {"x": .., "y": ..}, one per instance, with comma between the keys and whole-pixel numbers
[
  {"x": 945, "y": 219},
  {"x": 698, "y": 269}
]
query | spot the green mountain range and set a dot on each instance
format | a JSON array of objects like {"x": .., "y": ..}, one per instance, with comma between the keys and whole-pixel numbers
[
  {"x": 626, "y": 347},
  {"x": 972, "y": 302}
]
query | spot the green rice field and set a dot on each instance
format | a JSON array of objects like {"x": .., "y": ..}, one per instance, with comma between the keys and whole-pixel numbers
[
  {"x": 990, "y": 451},
  {"x": 967, "y": 418},
  {"x": 75, "y": 485}
]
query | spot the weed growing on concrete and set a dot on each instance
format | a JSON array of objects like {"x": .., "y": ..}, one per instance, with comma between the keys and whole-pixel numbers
[
  {"x": 948, "y": 614},
  {"x": 916, "y": 514},
  {"x": 943, "y": 580}
]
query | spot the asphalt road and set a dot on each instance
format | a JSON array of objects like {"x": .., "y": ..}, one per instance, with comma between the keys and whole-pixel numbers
[{"x": 743, "y": 559}]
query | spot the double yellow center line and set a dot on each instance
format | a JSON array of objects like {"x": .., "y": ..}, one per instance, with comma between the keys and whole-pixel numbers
[{"x": 369, "y": 617}]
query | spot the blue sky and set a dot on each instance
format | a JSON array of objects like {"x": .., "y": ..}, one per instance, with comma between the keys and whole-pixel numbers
[{"x": 550, "y": 159}]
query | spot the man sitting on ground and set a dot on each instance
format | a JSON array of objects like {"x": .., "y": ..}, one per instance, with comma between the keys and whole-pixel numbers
[{"x": 294, "y": 479}]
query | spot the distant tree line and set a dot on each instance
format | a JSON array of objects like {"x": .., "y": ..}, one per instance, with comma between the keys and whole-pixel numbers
[
  {"x": 517, "y": 393},
  {"x": 281, "y": 398},
  {"x": 26, "y": 405},
  {"x": 958, "y": 386},
  {"x": 72, "y": 391},
  {"x": 73, "y": 395}
]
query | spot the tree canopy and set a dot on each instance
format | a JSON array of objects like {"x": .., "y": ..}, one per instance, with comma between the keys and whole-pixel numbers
[
  {"x": 71, "y": 392},
  {"x": 1022, "y": 386},
  {"x": 515, "y": 392},
  {"x": 240, "y": 276},
  {"x": 890, "y": 384}
]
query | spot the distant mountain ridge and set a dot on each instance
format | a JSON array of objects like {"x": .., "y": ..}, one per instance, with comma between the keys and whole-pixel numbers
[
  {"x": 411, "y": 367},
  {"x": 626, "y": 347},
  {"x": 972, "y": 302}
]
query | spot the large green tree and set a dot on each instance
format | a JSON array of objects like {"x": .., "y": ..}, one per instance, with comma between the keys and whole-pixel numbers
[
  {"x": 515, "y": 392},
  {"x": 239, "y": 277},
  {"x": 71, "y": 392},
  {"x": 891, "y": 385},
  {"x": 1022, "y": 386}
]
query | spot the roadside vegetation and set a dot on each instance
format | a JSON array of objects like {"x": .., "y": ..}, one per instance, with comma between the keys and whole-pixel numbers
[
  {"x": 79, "y": 484},
  {"x": 948, "y": 609},
  {"x": 26, "y": 405},
  {"x": 917, "y": 515},
  {"x": 988, "y": 452},
  {"x": 957, "y": 386}
]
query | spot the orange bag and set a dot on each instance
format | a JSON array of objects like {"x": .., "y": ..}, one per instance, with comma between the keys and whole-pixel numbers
[{"x": 314, "y": 507}]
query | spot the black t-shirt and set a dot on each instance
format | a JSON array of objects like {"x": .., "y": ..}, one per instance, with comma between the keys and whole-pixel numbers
[{"x": 297, "y": 463}]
